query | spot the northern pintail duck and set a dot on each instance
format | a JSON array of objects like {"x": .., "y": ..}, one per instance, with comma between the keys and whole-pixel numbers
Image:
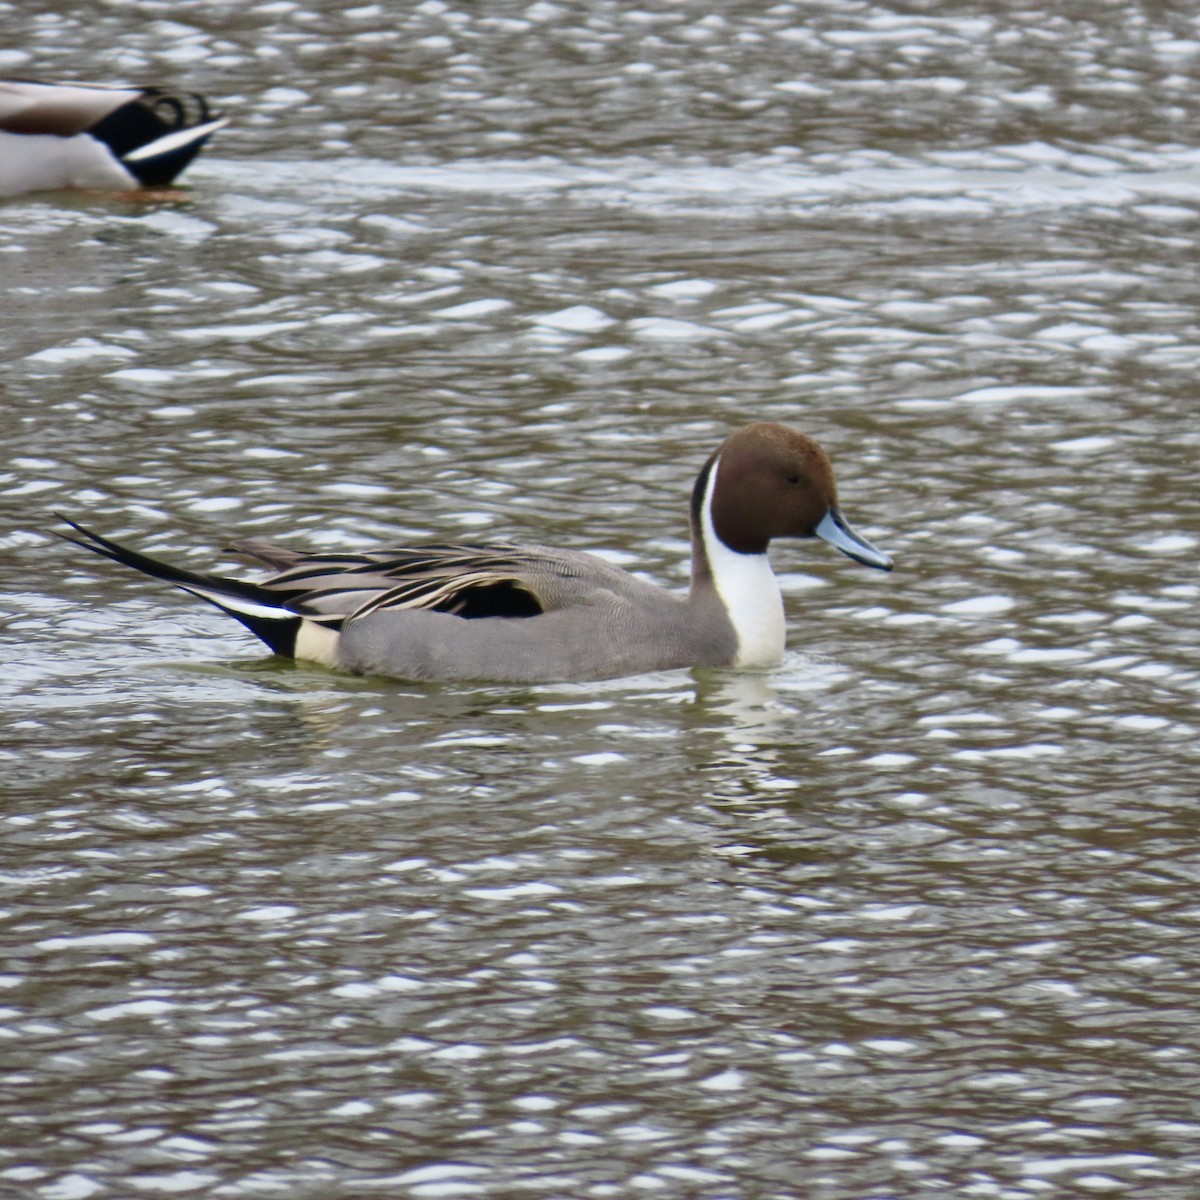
[
  {"x": 63, "y": 135},
  {"x": 515, "y": 613}
]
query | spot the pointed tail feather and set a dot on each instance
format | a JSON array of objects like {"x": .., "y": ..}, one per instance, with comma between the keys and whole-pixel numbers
[
  {"x": 175, "y": 141},
  {"x": 157, "y": 164},
  {"x": 254, "y": 606}
]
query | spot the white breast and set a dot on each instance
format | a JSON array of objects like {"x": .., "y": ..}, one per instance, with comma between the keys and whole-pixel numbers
[{"x": 748, "y": 589}]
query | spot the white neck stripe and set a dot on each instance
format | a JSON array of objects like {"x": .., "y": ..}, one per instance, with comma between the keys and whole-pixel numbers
[{"x": 747, "y": 588}]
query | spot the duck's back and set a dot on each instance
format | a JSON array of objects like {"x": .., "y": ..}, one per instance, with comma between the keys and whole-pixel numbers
[{"x": 507, "y": 613}]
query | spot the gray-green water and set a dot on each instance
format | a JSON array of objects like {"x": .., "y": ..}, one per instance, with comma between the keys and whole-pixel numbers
[{"x": 913, "y": 915}]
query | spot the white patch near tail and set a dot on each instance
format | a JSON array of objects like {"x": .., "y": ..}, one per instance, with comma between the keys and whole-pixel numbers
[
  {"x": 317, "y": 643},
  {"x": 239, "y": 604}
]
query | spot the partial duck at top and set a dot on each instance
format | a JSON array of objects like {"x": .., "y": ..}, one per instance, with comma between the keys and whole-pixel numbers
[
  {"x": 86, "y": 135},
  {"x": 522, "y": 613}
]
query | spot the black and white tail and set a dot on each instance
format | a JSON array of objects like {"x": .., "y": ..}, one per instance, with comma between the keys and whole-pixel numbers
[
  {"x": 255, "y": 606},
  {"x": 158, "y": 133}
]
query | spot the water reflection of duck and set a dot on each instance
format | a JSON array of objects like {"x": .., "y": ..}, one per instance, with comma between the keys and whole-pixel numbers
[
  {"x": 73, "y": 135},
  {"x": 513, "y": 613}
]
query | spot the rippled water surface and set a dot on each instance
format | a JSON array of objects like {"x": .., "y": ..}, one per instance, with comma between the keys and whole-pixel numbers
[{"x": 914, "y": 914}]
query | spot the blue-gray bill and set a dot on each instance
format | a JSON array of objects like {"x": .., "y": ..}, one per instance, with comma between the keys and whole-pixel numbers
[{"x": 837, "y": 531}]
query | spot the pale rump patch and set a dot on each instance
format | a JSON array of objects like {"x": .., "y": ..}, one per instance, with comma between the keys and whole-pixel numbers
[{"x": 316, "y": 643}]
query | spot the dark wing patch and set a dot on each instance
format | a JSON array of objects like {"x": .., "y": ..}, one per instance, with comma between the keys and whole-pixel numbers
[{"x": 505, "y": 598}]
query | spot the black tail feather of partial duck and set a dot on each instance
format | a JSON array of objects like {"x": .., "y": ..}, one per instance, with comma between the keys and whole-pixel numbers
[
  {"x": 256, "y": 607},
  {"x": 158, "y": 134}
]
